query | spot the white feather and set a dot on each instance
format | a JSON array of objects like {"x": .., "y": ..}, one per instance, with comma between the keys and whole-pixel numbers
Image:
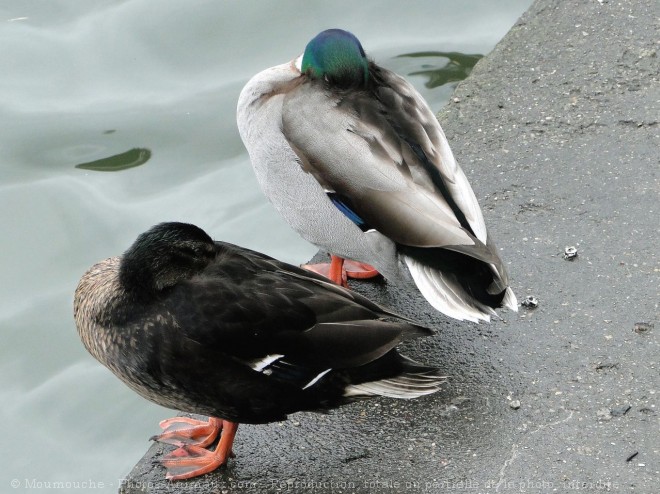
[
  {"x": 445, "y": 294},
  {"x": 510, "y": 300},
  {"x": 406, "y": 386},
  {"x": 261, "y": 364},
  {"x": 314, "y": 381}
]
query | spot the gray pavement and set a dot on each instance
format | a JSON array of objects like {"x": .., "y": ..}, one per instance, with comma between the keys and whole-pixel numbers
[{"x": 558, "y": 131}]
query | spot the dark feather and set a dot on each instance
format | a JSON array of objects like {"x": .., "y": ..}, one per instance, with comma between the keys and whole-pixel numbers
[{"x": 191, "y": 338}]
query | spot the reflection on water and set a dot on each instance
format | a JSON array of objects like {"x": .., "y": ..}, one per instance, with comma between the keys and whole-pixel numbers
[
  {"x": 83, "y": 82},
  {"x": 122, "y": 161},
  {"x": 452, "y": 66}
]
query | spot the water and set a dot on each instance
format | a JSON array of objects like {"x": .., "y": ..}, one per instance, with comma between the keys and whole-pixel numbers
[{"x": 84, "y": 81}]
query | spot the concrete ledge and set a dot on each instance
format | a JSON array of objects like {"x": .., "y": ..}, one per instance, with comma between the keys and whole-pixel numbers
[{"x": 557, "y": 130}]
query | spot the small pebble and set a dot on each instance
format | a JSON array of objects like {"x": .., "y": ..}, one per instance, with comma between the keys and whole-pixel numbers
[
  {"x": 515, "y": 404},
  {"x": 530, "y": 302},
  {"x": 602, "y": 366},
  {"x": 642, "y": 327},
  {"x": 620, "y": 411},
  {"x": 570, "y": 253}
]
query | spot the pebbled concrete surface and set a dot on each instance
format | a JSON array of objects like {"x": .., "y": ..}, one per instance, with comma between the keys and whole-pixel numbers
[{"x": 557, "y": 130}]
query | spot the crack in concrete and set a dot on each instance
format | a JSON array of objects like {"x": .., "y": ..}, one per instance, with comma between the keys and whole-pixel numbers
[
  {"x": 514, "y": 454},
  {"x": 515, "y": 446}
]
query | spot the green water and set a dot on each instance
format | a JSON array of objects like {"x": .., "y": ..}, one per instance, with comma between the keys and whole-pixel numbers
[{"x": 115, "y": 115}]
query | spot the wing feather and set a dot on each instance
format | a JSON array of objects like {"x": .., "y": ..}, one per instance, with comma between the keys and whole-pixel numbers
[
  {"x": 258, "y": 311},
  {"x": 377, "y": 160}
]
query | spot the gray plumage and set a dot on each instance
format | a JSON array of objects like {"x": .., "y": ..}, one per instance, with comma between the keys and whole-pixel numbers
[{"x": 378, "y": 148}]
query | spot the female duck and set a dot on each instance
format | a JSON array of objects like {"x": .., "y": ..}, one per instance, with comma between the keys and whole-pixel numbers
[
  {"x": 210, "y": 328},
  {"x": 353, "y": 158}
]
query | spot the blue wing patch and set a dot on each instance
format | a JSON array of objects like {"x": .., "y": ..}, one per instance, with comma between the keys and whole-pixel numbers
[{"x": 344, "y": 205}]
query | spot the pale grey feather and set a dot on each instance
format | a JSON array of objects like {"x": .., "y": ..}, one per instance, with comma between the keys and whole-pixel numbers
[{"x": 305, "y": 140}]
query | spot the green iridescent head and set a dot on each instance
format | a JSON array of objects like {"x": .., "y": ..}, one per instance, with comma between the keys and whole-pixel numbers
[{"x": 338, "y": 57}]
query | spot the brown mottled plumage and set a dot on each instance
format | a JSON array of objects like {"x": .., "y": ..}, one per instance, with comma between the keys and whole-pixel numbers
[{"x": 210, "y": 328}]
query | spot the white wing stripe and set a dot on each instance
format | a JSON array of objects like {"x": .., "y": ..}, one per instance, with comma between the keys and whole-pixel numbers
[{"x": 315, "y": 380}]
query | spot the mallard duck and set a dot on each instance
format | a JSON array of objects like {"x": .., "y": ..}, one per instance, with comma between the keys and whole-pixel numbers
[
  {"x": 355, "y": 161},
  {"x": 215, "y": 329}
]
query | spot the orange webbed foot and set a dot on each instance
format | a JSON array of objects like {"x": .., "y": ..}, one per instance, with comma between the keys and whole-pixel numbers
[
  {"x": 190, "y": 460},
  {"x": 339, "y": 270},
  {"x": 182, "y": 431},
  {"x": 359, "y": 270}
]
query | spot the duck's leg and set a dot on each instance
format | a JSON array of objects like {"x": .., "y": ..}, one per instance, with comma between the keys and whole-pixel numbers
[
  {"x": 180, "y": 431},
  {"x": 340, "y": 269},
  {"x": 191, "y": 461},
  {"x": 337, "y": 272}
]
